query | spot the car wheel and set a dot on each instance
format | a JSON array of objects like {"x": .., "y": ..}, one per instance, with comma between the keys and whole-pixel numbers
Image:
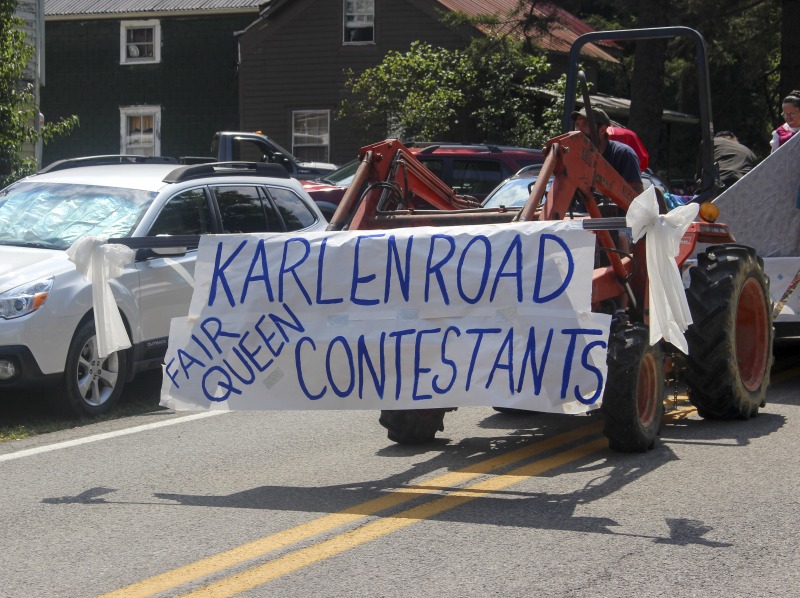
[{"x": 93, "y": 386}]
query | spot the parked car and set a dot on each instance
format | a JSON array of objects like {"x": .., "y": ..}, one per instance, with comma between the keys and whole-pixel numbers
[
  {"x": 47, "y": 330},
  {"x": 229, "y": 146},
  {"x": 342, "y": 176},
  {"x": 469, "y": 169},
  {"x": 475, "y": 170},
  {"x": 328, "y": 190},
  {"x": 514, "y": 191}
]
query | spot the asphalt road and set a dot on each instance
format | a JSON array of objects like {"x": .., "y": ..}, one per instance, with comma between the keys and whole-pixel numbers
[{"x": 298, "y": 504}]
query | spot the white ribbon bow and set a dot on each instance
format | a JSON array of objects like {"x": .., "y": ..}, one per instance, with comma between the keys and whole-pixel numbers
[
  {"x": 669, "y": 309},
  {"x": 99, "y": 262}
]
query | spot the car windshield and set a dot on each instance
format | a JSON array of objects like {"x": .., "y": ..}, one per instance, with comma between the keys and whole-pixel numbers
[
  {"x": 342, "y": 176},
  {"x": 512, "y": 193},
  {"x": 54, "y": 215}
]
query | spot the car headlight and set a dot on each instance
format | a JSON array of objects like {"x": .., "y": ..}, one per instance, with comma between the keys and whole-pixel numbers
[{"x": 25, "y": 298}]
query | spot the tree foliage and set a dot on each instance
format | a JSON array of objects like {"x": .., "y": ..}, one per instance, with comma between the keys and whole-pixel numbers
[
  {"x": 490, "y": 91},
  {"x": 18, "y": 110},
  {"x": 789, "y": 67},
  {"x": 743, "y": 48}
]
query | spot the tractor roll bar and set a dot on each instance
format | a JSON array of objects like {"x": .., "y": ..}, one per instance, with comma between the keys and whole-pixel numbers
[{"x": 708, "y": 188}]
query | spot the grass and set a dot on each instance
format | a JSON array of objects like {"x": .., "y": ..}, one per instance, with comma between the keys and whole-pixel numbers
[{"x": 28, "y": 414}]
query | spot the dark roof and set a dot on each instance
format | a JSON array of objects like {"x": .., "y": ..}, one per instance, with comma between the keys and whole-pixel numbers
[{"x": 99, "y": 8}]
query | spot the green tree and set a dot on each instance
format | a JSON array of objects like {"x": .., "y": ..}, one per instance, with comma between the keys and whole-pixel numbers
[
  {"x": 790, "y": 48},
  {"x": 490, "y": 91},
  {"x": 18, "y": 109},
  {"x": 743, "y": 48}
]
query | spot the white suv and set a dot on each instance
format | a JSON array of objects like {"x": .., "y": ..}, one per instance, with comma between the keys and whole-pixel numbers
[{"x": 47, "y": 330}]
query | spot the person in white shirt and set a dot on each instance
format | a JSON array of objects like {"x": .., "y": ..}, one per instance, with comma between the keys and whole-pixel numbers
[{"x": 791, "y": 116}]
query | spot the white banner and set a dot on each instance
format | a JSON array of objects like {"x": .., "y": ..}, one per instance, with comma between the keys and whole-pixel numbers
[
  {"x": 761, "y": 208},
  {"x": 494, "y": 315}
]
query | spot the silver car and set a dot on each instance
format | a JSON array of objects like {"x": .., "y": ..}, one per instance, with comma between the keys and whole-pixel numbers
[
  {"x": 514, "y": 191},
  {"x": 47, "y": 330}
]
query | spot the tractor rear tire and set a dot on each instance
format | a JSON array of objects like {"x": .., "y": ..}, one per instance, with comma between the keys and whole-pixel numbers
[
  {"x": 413, "y": 426},
  {"x": 730, "y": 340},
  {"x": 633, "y": 401}
]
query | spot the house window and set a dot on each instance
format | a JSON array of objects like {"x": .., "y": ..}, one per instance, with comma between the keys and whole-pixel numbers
[
  {"x": 140, "y": 130},
  {"x": 359, "y": 21},
  {"x": 311, "y": 135},
  {"x": 139, "y": 42}
]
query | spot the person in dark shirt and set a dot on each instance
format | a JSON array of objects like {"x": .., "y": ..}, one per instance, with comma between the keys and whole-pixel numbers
[
  {"x": 623, "y": 159},
  {"x": 620, "y": 156},
  {"x": 617, "y": 132},
  {"x": 733, "y": 159}
]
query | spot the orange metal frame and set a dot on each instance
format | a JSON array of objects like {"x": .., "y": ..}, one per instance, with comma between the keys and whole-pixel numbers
[{"x": 389, "y": 170}]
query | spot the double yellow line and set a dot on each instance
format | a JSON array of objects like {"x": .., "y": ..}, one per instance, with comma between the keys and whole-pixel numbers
[{"x": 451, "y": 487}]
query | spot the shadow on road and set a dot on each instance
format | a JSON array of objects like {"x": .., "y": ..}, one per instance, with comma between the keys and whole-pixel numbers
[
  {"x": 536, "y": 510},
  {"x": 600, "y": 474}
]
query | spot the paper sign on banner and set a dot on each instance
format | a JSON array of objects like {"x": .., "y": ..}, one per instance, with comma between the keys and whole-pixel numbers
[{"x": 428, "y": 317}]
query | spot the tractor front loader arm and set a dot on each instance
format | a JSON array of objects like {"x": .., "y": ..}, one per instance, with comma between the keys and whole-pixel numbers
[
  {"x": 390, "y": 178},
  {"x": 580, "y": 172}
]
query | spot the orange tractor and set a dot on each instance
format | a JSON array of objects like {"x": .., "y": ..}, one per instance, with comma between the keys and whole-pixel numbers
[{"x": 728, "y": 364}]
